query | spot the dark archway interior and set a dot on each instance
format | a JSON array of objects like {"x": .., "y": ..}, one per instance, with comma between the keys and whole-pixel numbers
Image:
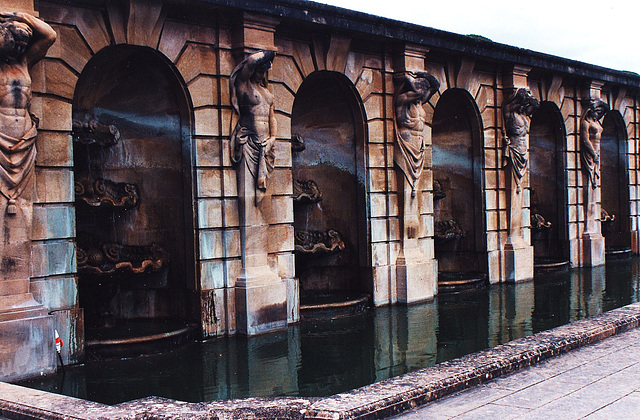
[
  {"x": 329, "y": 219},
  {"x": 133, "y": 194},
  {"x": 615, "y": 185},
  {"x": 547, "y": 184},
  {"x": 457, "y": 201}
]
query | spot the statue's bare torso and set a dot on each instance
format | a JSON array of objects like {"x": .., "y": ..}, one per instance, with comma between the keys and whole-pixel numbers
[
  {"x": 256, "y": 108},
  {"x": 24, "y": 40},
  {"x": 15, "y": 98}
]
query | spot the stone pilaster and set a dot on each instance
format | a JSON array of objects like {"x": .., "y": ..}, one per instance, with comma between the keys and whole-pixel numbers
[
  {"x": 516, "y": 252},
  {"x": 416, "y": 273},
  {"x": 261, "y": 295},
  {"x": 255, "y": 32},
  {"x": 592, "y": 241},
  {"x": 26, "y": 328},
  {"x": 25, "y": 6}
]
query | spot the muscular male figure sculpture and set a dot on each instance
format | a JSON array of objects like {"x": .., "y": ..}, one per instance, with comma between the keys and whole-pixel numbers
[
  {"x": 414, "y": 91},
  {"x": 24, "y": 40},
  {"x": 516, "y": 110},
  {"x": 255, "y": 133}
]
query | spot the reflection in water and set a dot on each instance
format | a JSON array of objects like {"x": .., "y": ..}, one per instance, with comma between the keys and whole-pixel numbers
[{"x": 326, "y": 357}]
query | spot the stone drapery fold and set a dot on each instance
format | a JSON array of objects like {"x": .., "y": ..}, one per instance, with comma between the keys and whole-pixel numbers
[
  {"x": 409, "y": 154},
  {"x": 17, "y": 162},
  {"x": 516, "y": 156},
  {"x": 259, "y": 156}
]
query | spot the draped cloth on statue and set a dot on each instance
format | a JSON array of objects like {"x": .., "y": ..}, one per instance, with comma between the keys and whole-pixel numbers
[
  {"x": 17, "y": 160},
  {"x": 592, "y": 167},
  {"x": 259, "y": 156},
  {"x": 409, "y": 154},
  {"x": 516, "y": 153}
]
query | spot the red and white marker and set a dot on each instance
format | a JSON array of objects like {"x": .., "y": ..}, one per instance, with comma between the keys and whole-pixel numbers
[{"x": 58, "y": 341}]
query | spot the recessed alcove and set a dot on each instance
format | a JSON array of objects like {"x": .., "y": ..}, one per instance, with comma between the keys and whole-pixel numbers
[
  {"x": 329, "y": 202},
  {"x": 615, "y": 186},
  {"x": 547, "y": 183},
  {"x": 134, "y": 196},
  {"x": 457, "y": 166}
]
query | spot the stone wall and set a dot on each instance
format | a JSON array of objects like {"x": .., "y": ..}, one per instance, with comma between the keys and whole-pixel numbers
[{"x": 203, "y": 46}]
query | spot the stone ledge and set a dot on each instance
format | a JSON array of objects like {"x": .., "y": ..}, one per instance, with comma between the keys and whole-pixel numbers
[{"x": 381, "y": 399}]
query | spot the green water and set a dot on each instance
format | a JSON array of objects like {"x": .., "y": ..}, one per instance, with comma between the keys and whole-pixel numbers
[{"x": 324, "y": 358}]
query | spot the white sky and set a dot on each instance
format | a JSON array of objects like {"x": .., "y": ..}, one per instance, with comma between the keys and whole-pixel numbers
[{"x": 605, "y": 32}]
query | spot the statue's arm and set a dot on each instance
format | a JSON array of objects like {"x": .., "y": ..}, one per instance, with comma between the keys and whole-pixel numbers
[
  {"x": 273, "y": 125},
  {"x": 252, "y": 62},
  {"x": 43, "y": 35},
  {"x": 404, "y": 77}
]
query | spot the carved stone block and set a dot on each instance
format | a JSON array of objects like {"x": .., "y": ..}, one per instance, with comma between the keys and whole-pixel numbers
[
  {"x": 416, "y": 280},
  {"x": 27, "y": 346},
  {"x": 593, "y": 250}
]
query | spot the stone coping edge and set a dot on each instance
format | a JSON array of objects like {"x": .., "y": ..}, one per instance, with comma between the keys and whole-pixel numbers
[{"x": 378, "y": 400}]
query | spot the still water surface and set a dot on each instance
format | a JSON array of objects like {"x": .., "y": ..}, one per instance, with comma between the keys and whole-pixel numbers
[{"x": 324, "y": 358}]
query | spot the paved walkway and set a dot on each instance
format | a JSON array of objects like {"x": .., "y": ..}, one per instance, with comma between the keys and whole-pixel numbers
[{"x": 600, "y": 381}]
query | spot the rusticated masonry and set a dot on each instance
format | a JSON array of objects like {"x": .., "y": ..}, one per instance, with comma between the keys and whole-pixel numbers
[{"x": 262, "y": 157}]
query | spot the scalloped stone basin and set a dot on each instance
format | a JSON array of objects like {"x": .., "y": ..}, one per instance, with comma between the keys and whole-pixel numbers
[
  {"x": 456, "y": 281},
  {"x": 618, "y": 253},
  {"x": 547, "y": 265},
  {"x": 334, "y": 305},
  {"x": 136, "y": 337}
]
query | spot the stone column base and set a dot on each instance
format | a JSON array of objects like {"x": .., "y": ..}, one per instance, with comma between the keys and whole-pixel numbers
[
  {"x": 635, "y": 242},
  {"x": 261, "y": 302},
  {"x": 26, "y": 334},
  {"x": 416, "y": 281},
  {"x": 293, "y": 300},
  {"x": 592, "y": 249},
  {"x": 517, "y": 262}
]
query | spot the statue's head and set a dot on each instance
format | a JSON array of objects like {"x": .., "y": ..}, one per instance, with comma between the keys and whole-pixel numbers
[
  {"x": 426, "y": 84},
  {"x": 527, "y": 102},
  {"x": 264, "y": 64},
  {"x": 14, "y": 39},
  {"x": 597, "y": 108}
]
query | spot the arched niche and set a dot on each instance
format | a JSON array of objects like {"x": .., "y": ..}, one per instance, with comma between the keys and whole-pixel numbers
[
  {"x": 615, "y": 184},
  {"x": 134, "y": 201},
  {"x": 329, "y": 188},
  {"x": 547, "y": 185},
  {"x": 457, "y": 170}
]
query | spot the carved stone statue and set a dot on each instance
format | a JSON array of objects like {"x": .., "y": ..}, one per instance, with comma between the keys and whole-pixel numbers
[
  {"x": 315, "y": 242},
  {"x": 24, "y": 40},
  {"x": 516, "y": 110},
  {"x": 413, "y": 92},
  {"x": 90, "y": 131},
  {"x": 306, "y": 192},
  {"x": 590, "y": 133},
  {"x": 254, "y": 136}
]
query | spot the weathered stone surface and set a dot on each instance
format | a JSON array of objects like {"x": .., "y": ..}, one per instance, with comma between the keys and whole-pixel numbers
[
  {"x": 176, "y": 34},
  {"x": 27, "y": 346},
  {"x": 53, "y": 258},
  {"x": 55, "y": 292},
  {"x": 196, "y": 59},
  {"x": 54, "y": 185},
  {"x": 70, "y": 326},
  {"x": 70, "y": 48},
  {"x": 54, "y": 149},
  {"x": 211, "y": 244},
  {"x": 55, "y": 78},
  {"x": 53, "y": 222},
  {"x": 209, "y": 213},
  {"x": 209, "y": 183},
  {"x": 206, "y": 122},
  {"x": 204, "y": 91}
]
